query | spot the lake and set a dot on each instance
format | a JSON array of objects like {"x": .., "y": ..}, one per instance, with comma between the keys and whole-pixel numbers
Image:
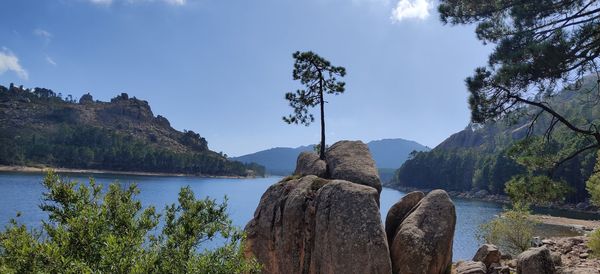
[{"x": 21, "y": 192}]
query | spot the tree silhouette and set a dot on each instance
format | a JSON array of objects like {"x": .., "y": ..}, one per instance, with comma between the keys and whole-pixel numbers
[
  {"x": 541, "y": 48},
  {"x": 319, "y": 77}
]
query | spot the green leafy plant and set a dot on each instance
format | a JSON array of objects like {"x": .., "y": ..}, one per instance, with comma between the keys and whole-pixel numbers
[
  {"x": 536, "y": 189},
  {"x": 592, "y": 185},
  {"x": 91, "y": 231},
  {"x": 511, "y": 232},
  {"x": 594, "y": 242}
]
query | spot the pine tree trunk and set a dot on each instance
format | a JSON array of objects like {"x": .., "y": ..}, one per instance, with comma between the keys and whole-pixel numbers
[{"x": 322, "y": 150}]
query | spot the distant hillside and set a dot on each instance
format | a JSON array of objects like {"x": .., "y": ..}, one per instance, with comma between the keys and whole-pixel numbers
[
  {"x": 388, "y": 154},
  {"x": 39, "y": 127},
  {"x": 478, "y": 156}
]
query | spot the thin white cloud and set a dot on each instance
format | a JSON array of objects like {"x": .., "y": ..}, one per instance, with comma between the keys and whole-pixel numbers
[
  {"x": 412, "y": 9},
  {"x": 110, "y": 2},
  {"x": 101, "y": 2},
  {"x": 50, "y": 61},
  {"x": 10, "y": 62},
  {"x": 44, "y": 34}
]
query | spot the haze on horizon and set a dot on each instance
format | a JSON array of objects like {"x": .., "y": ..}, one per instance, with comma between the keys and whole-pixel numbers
[{"x": 221, "y": 69}]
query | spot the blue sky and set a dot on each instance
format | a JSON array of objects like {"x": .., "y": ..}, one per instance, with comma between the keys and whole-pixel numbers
[{"x": 221, "y": 68}]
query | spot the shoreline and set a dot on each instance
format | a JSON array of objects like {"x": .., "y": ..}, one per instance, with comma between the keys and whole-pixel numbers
[
  {"x": 29, "y": 169},
  {"x": 505, "y": 200}
]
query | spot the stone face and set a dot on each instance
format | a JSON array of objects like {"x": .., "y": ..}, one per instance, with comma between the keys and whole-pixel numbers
[
  {"x": 535, "y": 261},
  {"x": 423, "y": 242},
  {"x": 308, "y": 163},
  {"x": 470, "y": 267},
  {"x": 313, "y": 225},
  {"x": 580, "y": 270},
  {"x": 487, "y": 254},
  {"x": 352, "y": 161},
  {"x": 349, "y": 236},
  {"x": 399, "y": 211}
]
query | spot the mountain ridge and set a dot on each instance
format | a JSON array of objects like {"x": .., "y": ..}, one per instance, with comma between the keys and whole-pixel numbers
[
  {"x": 389, "y": 153},
  {"x": 39, "y": 127}
]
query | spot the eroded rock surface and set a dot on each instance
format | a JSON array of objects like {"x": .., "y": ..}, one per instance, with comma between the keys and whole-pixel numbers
[
  {"x": 423, "y": 242},
  {"x": 313, "y": 225},
  {"x": 399, "y": 211},
  {"x": 309, "y": 163},
  {"x": 352, "y": 161},
  {"x": 535, "y": 261}
]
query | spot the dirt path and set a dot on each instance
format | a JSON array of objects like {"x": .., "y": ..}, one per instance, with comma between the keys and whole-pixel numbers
[{"x": 587, "y": 225}]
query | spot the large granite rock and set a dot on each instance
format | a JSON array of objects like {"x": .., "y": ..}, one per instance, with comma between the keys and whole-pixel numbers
[
  {"x": 352, "y": 161},
  {"x": 470, "y": 267},
  {"x": 399, "y": 211},
  {"x": 535, "y": 261},
  {"x": 580, "y": 270},
  {"x": 423, "y": 242},
  {"x": 313, "y": 225},
  {"x": 349, "y": 236},
  {"x": 487, "y": 254},
  {"x": 309, "y": 163}
]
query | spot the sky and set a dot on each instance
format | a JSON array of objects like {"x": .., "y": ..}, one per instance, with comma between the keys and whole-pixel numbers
[{"x": 221, "y": 68}]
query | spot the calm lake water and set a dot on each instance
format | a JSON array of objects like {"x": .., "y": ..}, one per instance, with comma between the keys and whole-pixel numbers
[{"x": 21, "y": 192}]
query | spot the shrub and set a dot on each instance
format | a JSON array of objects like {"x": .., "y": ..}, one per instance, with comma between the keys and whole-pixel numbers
[
  {"x": 511, "y": 232},
  {"x": 89, "y": 231},
  {"x": 594, "y": 242},
  {"x": 592, "y": 185}
]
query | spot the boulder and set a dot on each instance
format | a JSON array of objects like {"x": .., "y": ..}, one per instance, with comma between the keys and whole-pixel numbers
[
  {"x": 309, "y": 163},
  {"x": 399, "y": 211},
  {"x": 487, "y": 254},
  {"x": 352, "y": 161},
  {"x": 314, "y": 225},
  {"x": 535, "y": 261},
  {"x": 349, "y": 236},
  {"x": 580, "y": 270},
  {"x": 470, "y": 267},
  {"x": 423, "y": 242}
]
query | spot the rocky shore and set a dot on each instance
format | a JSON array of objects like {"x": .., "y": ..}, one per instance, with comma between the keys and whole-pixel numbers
[
  {"x": 566, "y": 255},
  {"x": 484, "y": 195},
  {"x": 28, "y": 169},
  {"x": 326, "y": 219}
]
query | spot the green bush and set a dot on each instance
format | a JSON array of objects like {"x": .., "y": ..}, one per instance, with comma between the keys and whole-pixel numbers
[
  {"x": 91, "y": 231},
  {"x": 593, "y": 183},
  {"x": 511, "y": 232},
  {"x": 594, "y": 242}
]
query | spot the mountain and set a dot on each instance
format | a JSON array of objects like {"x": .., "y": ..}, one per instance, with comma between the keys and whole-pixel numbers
[
  {"x": 483, "y": 156},
  {"x": 389, "y": 154},
  {"x": 40, "y": 128}
]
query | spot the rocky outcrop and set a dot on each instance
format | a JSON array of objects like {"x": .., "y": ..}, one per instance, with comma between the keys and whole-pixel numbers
[
  {"x": 331, "y": 223},
  {"x": 470, "y": 267},
  {"x": 349, "y": 236},
  {"x": 86, "y": 99},
  {"x": 309, "y": 163},
  {"x": 487, "y": 254},
  {"x": 423, "y": 241},
  {"x": 535, "y": 261},
  {"x": 398, "y": 213},
  {"x": 352, "y": 161},
  {"x": 313, "y": 225}
]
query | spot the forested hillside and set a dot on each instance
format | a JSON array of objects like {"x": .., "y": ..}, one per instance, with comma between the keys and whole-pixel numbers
[
  {"x": 40, "y": 127},
  {"x": 487, "y": 156}
]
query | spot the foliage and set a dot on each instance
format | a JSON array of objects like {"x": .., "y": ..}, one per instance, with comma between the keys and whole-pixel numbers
[
  {"x": 89, "y": 231},
  {"x": 511, "y": 232},
  {"x": 593, "y": 187},
  {"x": 487, "y": 156},
  {"x": 60, "y": 141},
  {"x": 594, "y": 242},
  {"x": 541, "y": 47},
  {"x": 319, "y": 77},
  {"x": 536, "y": 189}
]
